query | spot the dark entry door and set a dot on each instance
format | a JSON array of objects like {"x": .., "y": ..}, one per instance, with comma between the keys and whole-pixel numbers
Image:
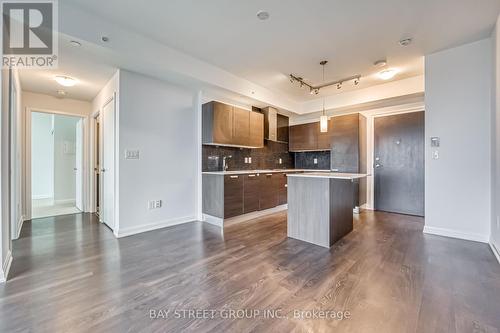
[{"x": 399, "y": 163}]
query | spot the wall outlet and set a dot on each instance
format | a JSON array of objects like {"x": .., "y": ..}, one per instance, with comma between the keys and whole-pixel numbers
[
  {"x": 154, "y": 204},
  {"x": 435, "y": 155},
  {"x": 246, "y": 160},
  {"x": 131, "y": 154},
  {"x": 315, "y": 161},
  {"x": 249, "y": 160},
  {"x": 280, "y": 161}
]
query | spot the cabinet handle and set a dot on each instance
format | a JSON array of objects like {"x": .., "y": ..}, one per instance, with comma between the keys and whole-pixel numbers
[
  {"x": 251, "y": 175},
  {"x": 233, "y": 176},
  {"x": 269, "y": 175}
]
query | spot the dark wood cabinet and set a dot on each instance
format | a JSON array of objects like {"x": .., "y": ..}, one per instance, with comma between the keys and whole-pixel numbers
[
  {"x": 256, "y": 129},
  {"x": 241, "y": 127},
  {"x": 226, "y": 125},
  {"x": 304, "y": 137},
  {"x": 283, "y": 129},
  {"x": 233, "y": 195},
  {"x": 268, "y": 191},
  {"x": 325, "y": 139},
  {"x": 345, "y": 143},
  {"x": 251, "y": 190},
  {"x": 282, "y": 188}
]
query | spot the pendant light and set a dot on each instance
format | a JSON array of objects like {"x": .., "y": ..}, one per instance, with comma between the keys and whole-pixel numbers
[{"x": 323, "y": 120}]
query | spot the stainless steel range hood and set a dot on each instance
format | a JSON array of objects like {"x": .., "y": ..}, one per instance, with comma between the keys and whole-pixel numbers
[{"x": 275, "y": 125}]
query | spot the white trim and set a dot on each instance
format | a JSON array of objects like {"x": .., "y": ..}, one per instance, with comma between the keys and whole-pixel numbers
[
  {"x": 456, "y": 234},
  {"x": 6, "y": 267},
  {"x": 495, "y": 251},
  {"x": 153, "y": 226},
  {"x": 27, "y": 155},
  {"x": 19, "y": 226},
  {"x": 217, "y": 221},
  {"x": 199, "y": 177},
  {"x": 366, "y": 206},
  {"x": 42, "y": 196},
  {"x": 64, "y": 201}
]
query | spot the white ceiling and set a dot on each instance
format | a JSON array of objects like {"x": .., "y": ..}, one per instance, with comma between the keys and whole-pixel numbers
[
  {"x": 77, "y": 62},
  {"x": 350, "y": 34}
]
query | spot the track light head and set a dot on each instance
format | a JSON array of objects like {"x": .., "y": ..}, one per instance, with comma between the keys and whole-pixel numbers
[
  {"x": 356, "y": 81},
  {"x": 339, "y": 85}
]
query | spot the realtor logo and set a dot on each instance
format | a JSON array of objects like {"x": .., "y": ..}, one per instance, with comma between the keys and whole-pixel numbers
[{"x": 29, "y": 36}]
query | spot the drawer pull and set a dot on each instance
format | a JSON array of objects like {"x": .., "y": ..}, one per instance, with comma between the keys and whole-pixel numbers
[
  {"x": 269, "y": 175},
  {"x": 251, "y": 175},
  {"x": 233, "y": 177}
]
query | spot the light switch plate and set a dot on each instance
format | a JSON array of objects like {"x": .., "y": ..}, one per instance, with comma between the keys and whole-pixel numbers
[
  {"x": 315, "y": 161},
  {"x": 131, "y": 154},
  {"x": 435, "y": 141}
]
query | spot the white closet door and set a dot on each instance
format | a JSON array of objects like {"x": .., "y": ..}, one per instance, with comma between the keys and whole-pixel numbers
[{"x": 108, "y": 164}]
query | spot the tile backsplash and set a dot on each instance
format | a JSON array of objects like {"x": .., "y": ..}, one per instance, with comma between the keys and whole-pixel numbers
[
  {"x": 261, "y": 158},
  {"x": 305, "y": 160}
]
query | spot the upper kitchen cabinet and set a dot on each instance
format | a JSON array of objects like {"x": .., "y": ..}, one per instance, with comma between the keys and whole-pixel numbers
[
  {"x": 345, "y": 136},
  {"x": 256, "y": 129},
  {"x": 227, "y": 125},
  {"x": 304, "y": 137},
  {"x": 283, "y": 130}
]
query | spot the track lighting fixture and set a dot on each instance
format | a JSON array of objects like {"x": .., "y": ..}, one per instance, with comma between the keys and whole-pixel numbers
[{"x": 314, "y": 90}]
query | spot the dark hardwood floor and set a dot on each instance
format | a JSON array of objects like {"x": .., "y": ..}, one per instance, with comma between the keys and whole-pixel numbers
[{"x": 70, "y": 274}]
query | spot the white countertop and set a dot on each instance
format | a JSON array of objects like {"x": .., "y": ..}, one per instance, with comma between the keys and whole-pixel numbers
[
  {"x": 336, "y": 175},
  {"x": 246, "y": 172}
]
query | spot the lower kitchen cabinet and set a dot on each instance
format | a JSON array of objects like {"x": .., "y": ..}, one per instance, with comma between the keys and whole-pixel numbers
[
  {"x": 251, "y": 190},
  {"x": 233, "y": 195},
  {"x": 226, "y": 196},
  {"x": 269, "y": 192}
]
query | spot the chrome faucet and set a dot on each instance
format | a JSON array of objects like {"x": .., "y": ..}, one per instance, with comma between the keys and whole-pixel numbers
[{"x": 224, "y": 163}]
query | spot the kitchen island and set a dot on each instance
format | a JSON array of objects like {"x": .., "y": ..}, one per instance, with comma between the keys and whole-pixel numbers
[{"x": 320, "y": 206}]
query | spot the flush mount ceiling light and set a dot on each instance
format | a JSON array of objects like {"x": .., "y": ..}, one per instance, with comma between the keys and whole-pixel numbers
[
  {"x": 65, "y": 81},
  {"x": 380, "y": 63},
  {"x": 263, "y": 15},
  {"x": 387, "y": 74}
]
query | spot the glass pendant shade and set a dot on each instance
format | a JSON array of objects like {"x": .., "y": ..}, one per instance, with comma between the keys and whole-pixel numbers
[{"x": 323, "y": 124}]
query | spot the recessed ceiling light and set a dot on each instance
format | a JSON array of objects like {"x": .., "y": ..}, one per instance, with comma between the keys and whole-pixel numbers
[
  {"x": 387, "y": 74},
  {"x": 75, "y": 43},
  {"x": 262, "y": 15},
  {"x": 405, "y": 41},
  {"x": 65, "y": 80},
  {"x": 380, "y": 63}
]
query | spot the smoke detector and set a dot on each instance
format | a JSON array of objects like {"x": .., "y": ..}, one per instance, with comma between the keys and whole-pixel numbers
[{"x": 405, "y": 41}]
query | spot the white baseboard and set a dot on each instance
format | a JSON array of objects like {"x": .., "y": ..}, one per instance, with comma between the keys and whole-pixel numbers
[
  {"x": 19, "y": 227},
  {"x": 367, "y": 207},
  {"x": 64, "y": 201},
  {"x": 6, "y": 267},
  {"x": 41, "y": 197},
  {"x": 217, "y": 221},
  {"x": 456, "y": 234},
  {"x": 152, "y": 226},
  {"x": 495, "y": 251}
]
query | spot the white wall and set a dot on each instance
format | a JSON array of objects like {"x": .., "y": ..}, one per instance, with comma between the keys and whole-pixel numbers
[
  {"x": 159, "y": 120},
  {"x": 458, "y": 102},
  {"x": 495, "y": 126},
  {"x": 42, "y": 156},
  {"x": 64, "y": 158}
]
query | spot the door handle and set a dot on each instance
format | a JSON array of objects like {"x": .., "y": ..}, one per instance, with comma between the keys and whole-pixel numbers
[
  {"x": 377, "y": 165},
  {"x": 75, "y": 169},
  {"x": 103, "y": 170}
]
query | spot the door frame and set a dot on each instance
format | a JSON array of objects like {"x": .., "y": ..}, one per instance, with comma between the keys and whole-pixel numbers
[
  {"x": 92, "y": 179},
  {"x": 27, "y": 158}
]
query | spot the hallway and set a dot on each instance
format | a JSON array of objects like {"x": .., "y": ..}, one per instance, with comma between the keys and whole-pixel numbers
[{"x": 383, "y": 274}]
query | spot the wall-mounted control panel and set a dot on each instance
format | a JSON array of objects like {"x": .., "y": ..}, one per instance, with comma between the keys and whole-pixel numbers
[{"x": 131, "y": 154}]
